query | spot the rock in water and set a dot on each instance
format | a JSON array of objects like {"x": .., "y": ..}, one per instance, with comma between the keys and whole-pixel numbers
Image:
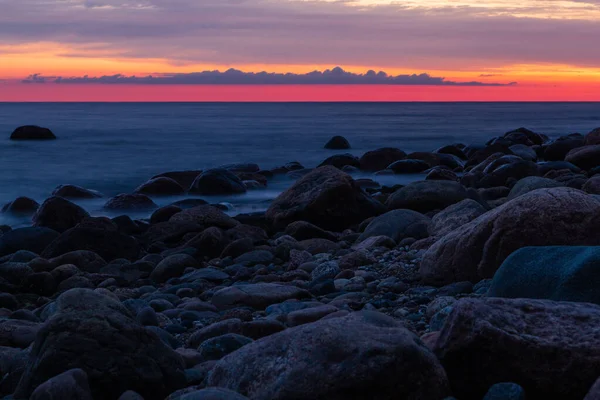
[
  {"x": 97, "y": 334},
  {"x": 136, "y": 201},
  {"x": 364, "y": 355},
  {"x": 160, "y": 187},
  {"x": 427, "y": 196},
  {"x": 551, "y": 349},
  {"x": 544, "y": 217},
  {"x": 326, "y": 197},
  {"x": 586, "y": 157},
  {"x": 75, "y": 192},
  {"x": 21, "y": 206},
  {"x": 217, "y": 181},
  {"x": 59, "y": 214},
  {"x": 379, "y": 159},
  {"x": 562, "y": 273},
  {"x": 337, "y": 143},
  {"x": 32, "y": 132}
]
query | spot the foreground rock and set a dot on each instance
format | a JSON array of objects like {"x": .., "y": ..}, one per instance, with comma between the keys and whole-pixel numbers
[
  {"x": 398, "y": 225},
  {"x": 259, "y": 295},
  {"x": 326, "y": 197},
  {"x": 70, "y": 385},
  {"x": 363, "y": 355},
  {"x": 97, "y": 334},
  {"x": 561, "y": 273},
  {"x": 32, "y": 132},
  {"x": 557, "y": 216},
  {"x": 427, "y": 196},
  {"x": 30, "y": 239},
  {"x": 551, "y": 349},
  {"x": 59, "y": 214}
]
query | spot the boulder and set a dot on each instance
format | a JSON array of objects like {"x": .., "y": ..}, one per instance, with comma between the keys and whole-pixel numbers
[
  {"x": 455, "y": 150},
  {"x": 549, "y": 348},
  {"x": 441, "y": 174},
  {"x": 58, "y": 214},
  {"x": 593, "y": 138},
  {"x": 258, "y": 295},
  {"x": 107, "y": 244},
  {"x": 341, "y": 160},
  {"x": 503, "y": 174},
  {"x": 425, "y": 196},
  {"x": 326, "y": 197},
  {"x": 337, "y": 143},
  {"x": 32, "y": 132},
  {"x": 525, "y": 152},
  {"x": 184, "y": 178},
  {"x": 455, "y": 216},
  {"x": 172, "y": 266},
  {"x": 398, "y": 225},
  {"x": 479, "y": 155},
  {"x": 592, "y": 185},
  {"x": 160, "y": 187},
  {"x": 561, "y": 273},
  {"x": 243, "y": 168},
  {"x": 586, "y": 157},
  {"x": 558, "y": 149},
  {"x": 205, "y": 215},
  {"x": 163, "y": 214},
  {"x": 98, "y": 334},
  {"x": 524, "y": 136},
  {"x": 409, "y": 166},
  {"x": 217, "y": 181},
  {"x": 130, "y": 202},
  {"x": 557, "y": 216},
  {"x": 21, "y": 206},
  {"x": 530, "y": 184},
  {"x": 31, "y": 239},
  {"x": 70, "y": 385},
  {"x": 302, "y": 230},
  {"x": 359, "y": 356},
  {"x": 17, "y": 333},
  {"x": 75, "y": 192},
  {"x": 377, "y": 160}
]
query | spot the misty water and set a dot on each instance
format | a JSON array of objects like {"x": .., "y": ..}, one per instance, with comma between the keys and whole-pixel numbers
[{"x": 114, "y": 147}]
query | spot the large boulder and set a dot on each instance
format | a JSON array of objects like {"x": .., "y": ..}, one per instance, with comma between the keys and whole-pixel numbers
[
  {"x": 455, "y": 216},
  {"x": 558, "y": 149},
  {"x": 586, "y": 157},
  {"x": 530, "y": 184},
  {"x": 217, "y": 181},
  {"x": 258, "y": 295},
  {"x": 337, "y": 143},
  {"x": 544, "y": 217},
  {"x": 326, "y": 197},
  {"x": 124, "y": 202},
  {"x": 162, "y": 186},
  {"x": 32, "y": 132},
  {"x": 377, "y": 160},
  {"x": 58, "y": 214},
  {"x": 593, "y": 137},
  {"x": 562, "y": 273},
  {"x": 551, "y": 349},
  {"x": 98, "y": 334},
  {"x": 398, "y": 225},
  {"x": 75, "y": 192},
  {"x": 34, "y": 239},
  {"x": 109, "y": 245},
  {"x": 361, "y": 356},
  {"x": 425, "y": 196},
  {"x": 21, "y": 206}
]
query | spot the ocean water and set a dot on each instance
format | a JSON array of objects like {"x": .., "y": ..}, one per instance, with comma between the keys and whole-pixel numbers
[{"x": 114, "y": 147}]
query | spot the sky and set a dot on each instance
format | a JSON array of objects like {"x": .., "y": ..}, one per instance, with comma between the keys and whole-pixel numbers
[{"x": 415, "y": 50}]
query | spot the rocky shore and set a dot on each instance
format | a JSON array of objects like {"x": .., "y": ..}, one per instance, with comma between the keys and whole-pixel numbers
[{"x": 479, "y": 281}]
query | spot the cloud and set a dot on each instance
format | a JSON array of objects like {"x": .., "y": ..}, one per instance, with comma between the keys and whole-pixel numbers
[{"x": 335, "y": 76}]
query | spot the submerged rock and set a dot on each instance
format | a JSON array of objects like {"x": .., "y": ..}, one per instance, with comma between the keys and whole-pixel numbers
[
  {"x": 75, "y": 192},
  {"x": 337, "y": 143},
  {"x": 21, "y": 206},
  {"x": 32, "y": 132}
]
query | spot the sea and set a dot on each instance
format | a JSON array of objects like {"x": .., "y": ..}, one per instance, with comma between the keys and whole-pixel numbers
[{"x": 114, "y": 147}]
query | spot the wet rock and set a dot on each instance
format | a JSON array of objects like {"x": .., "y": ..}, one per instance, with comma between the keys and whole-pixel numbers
[
  {"x": 97, "y": 334},
  {"x": 163, "y": 214},
  {"x": 325, "y": 197},
  {"x": 586, "y": 157},
  {"x": 379, "y": 159},
  {"x": 408, "y": 166},
  {"x": 184, "y": 178},
  {"x": 31, "y": 239},
  {"x": 32, "y": 132},
  {"x": 21, "y": 206},
  {"x": 362, "y": 355},
  {"x": 453, "y": 149},
  {"x": 593, "y": 137},
  {"x": 539, "y": 218},
  {"x": 455, "y": 216},
  {"x": 205, "y": 215},
  {"x": 341, "y": 160},
  {"x": 160, "y": 187},
  {"x": 217, "y": 181},
  {"x": 548, "y": 348},
  {"x": 58, "y": 214},
  {"x": 441, "y": 174},
  {"x": 337, "y": 143},
  {"x": 258, "y": 295},
  {"x": 425, "y": 196},
  {"x": 70, "y": 385},
  {"x": 503, "y": 174},
  {"x": 75, "y": 192},
  {"x": 531, "y": 183},
  {"x": 130, "y": 202},
  {"x": 398, "y": 225},
  {"x": 558, "y": 149}
]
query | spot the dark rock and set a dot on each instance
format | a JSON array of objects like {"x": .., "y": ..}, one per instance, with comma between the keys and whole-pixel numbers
[
  {"x": 548, "y": 166},
  {"x": 9, "y": 301},
  {"x": 441, "y": 174},
  {"x": 337, "y": 143},
  {"x": 454, "y": 150},
  {"x": 130, "y": 395},
  {"x": 147, "y": 317},
  {"x": 398, "y": 225},
  {"x": 130, "y": 202},
  {"x": 172, "y": 266},
  {"x": 362, "y": 355},
  {"x": 503, "y": 174},
  {"x": 108, "y": 245},
  {"x": 505, "y": 391},
  {"x": 258, "y": 295},
  {"x": 481, "y": 155},
  {"x": 540, "y": 218},
  {"x": 341, "y": 160},
  {"x": 160, "y": 187},
  {"x": 205, "y": 215},
  {"x": 586, "y": 157},
  {"x": 32, "y": 132},
  {"x": 98, "y": 334},
  {"x": 558, "y": 149},
  {"x": 42, "y": 283},
  {"x": 325, "y": 197},
  {"x": 189, "y": 203},
  {"x": 212, "y": 393},
  {"x": 454, "y": 217},
  {"x": 184, "y": 178},
  {"x": 524, "y": 136},
  {"x": 21, "y": 206},
  {"x": 217, "y": 181},
  {"x": 302, "y": 230},
  {"x": 425, "y": 196},
  {"x": 70, "y": 385},
  {"x": 379, "y": 159},
  {"x": 593, "y": 138},
  {"x": 594, "y": 393},
  {"x": 75, "y": 192},
  {"x": 592, "y": 185},
  {"x": 58, "y": 214},
  {"x": 17, "y": 333},
  {"x": 163, "y": 214},
  {"x": 548, "y": 348},
  {"x": 218, "y": 347},
  {"x": 530, "y": 184},
  {"x": 237, "y": 248},
  {"x": 409, "y": 166},
  {"x": 255, "y": 257},
  {"x": 525, "y": 152},
  {"x": 32, "y": 239},
  {"x": 210, "y": 243},
  {"x": 83, "y": 260},
  {"x": 318, "y": 246}
]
